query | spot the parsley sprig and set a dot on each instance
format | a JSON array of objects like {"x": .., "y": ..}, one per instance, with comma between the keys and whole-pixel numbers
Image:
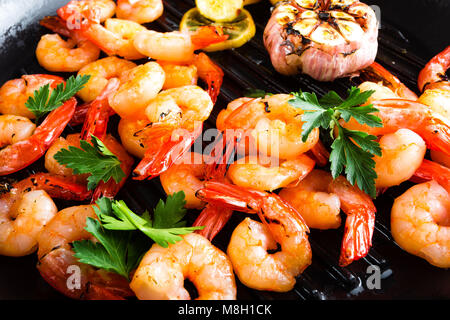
[
  {"x": 166, "y": 226},
  {"x": 43, "y": 102},
  {"x": 120, "y": 248},
  {"x": 352, "y": 150},
  {"x": 95, "y": 159}
]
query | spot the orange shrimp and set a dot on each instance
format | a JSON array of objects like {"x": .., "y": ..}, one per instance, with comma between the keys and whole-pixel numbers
[
  {"x": 248, "y": 246},
  {"x": 55, "y": 256},
  {"x": 375, "y": 72},
  {"x": 15, "y": 93},
  {"x": 23, "y": 153},
  {"x": 398, "y": 113},
  {"x": 433, "y": 75},
  {"x": 96, "y": 124}
]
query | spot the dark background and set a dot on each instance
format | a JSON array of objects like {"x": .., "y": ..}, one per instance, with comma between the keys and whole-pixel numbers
[{"x": 424, "y": 23}]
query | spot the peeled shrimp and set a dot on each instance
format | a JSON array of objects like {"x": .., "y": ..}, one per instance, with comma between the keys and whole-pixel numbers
[
  {"x": 319, "y": 207},
  {"x": 22, "y": 218},
  {"x": 420, "y": 222},
  {"x": 356, "y": 204},
  {"x": 177, "y": 115},
  {"x": 133, "y": 136},
  {"x": 274, "y": 127},
  {"x": 14, "y": 93},
  {"x": 398, "y": 148},
  {"x": 188, "y": 177},
  {"x": 27, "y": 208},
  {"x": 57, "y": 55},
  {"x": 436, "y": 93},
  {"x": 162, "y": 271},
  {"x": 14, "y": 129},
  {"x": 257, "y": 173},
  {"x": 176, "y": 46},
  {"x": 282, "y": 224},
  {"x": 56, "y": 256},
  {"x": 140, "y": 11},
  {"x": 54, "y": 167},
  {"x": 101, "y": 71},
  {"x": 139, "y": 87}
]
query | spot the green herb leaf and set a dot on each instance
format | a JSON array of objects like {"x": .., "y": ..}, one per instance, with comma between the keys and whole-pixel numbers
[
  {"x": 95, "y": 159},
  {"x": 114, "y": 251},
  {"x": 43, "y": 102},
  {"x": 166, "y": 226},
  {"x": 352, "y": 150}
]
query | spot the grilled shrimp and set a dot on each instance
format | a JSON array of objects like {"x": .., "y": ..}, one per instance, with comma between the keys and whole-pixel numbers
[
  {"x": 114, "y": 38},
  {"x": 27, "y": 207},
  {"x": 176, "y": 46},
  {"x": 319, "y": 207},
  {"x": 420, "y": 222},
  {"x": 53, "y": 166},
  {"x": 356, "y": 204},
  {"x": 55, "y": 256},
  {"x": 14, "y": 93},
  {"x": 406, "y": 114},
  {"x": 435, "y": 88},
  {"x": 14, "y": 129},
  {"x": 187, "y": 176},
  {"x": 387, "y": 85},
  {"x": 177, "y": 115},
  {"x": 138, "y": 87},
  {"x": 282, "y": 224},
  {"x": 274, "y": 127},
  {"x": 162, "y": 271},
  {"x": 101, "y": 71},
  {"x": 140, "y": 11},
  {"x": 259, "y": 173},
  {"x": 21, "y": 221},
  {"x": 57, "y": 55},
  {"x": 398, "y": 148}
]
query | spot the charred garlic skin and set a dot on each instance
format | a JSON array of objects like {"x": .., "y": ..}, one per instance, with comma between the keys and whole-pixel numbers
[{"x": 324, "y": 39}]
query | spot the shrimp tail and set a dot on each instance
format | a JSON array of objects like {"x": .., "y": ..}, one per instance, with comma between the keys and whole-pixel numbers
[
  {"x": 96, "y": 122},
  {"x": 23, "y": 153},
  {"x": 360, "y": 222},
  {"x": 266, "y": 205},
  {"x": 209, "y": 72},
  {"x": 57, "y": 187},
  {"x": 320, "y": 154},
  {"x": 213, "y": 218},
  {"x": 357, "y": 236},
  {"x": 165, "y": 147},
  {"x": 436, "y": 135},
  {"x": 375, "y": 72},
  {"x": 57, "y": 25},
  {"x": 435, "y": 70},
  {"x": 207, "y": 35},
  {"x": 430, "y": 170}
]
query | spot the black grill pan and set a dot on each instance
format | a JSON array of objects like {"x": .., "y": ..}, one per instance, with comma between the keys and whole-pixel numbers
[{"x": 403, "y": 276}]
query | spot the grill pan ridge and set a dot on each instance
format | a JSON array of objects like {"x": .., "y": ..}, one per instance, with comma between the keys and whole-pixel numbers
[{"x": 403, "y": 276}]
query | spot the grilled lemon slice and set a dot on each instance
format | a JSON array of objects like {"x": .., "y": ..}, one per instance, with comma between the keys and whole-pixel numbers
[
  {"x": 239, "y": 31},
  {"x": 220, "y": 10}
]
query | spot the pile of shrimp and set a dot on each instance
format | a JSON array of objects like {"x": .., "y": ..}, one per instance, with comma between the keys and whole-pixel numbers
[{"x": 262, "y": 166}]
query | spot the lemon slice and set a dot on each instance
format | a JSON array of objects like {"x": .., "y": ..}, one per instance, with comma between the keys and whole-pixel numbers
[
  {"x": 239, "y": 31},
  {"x": 220, "y": 10}
]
